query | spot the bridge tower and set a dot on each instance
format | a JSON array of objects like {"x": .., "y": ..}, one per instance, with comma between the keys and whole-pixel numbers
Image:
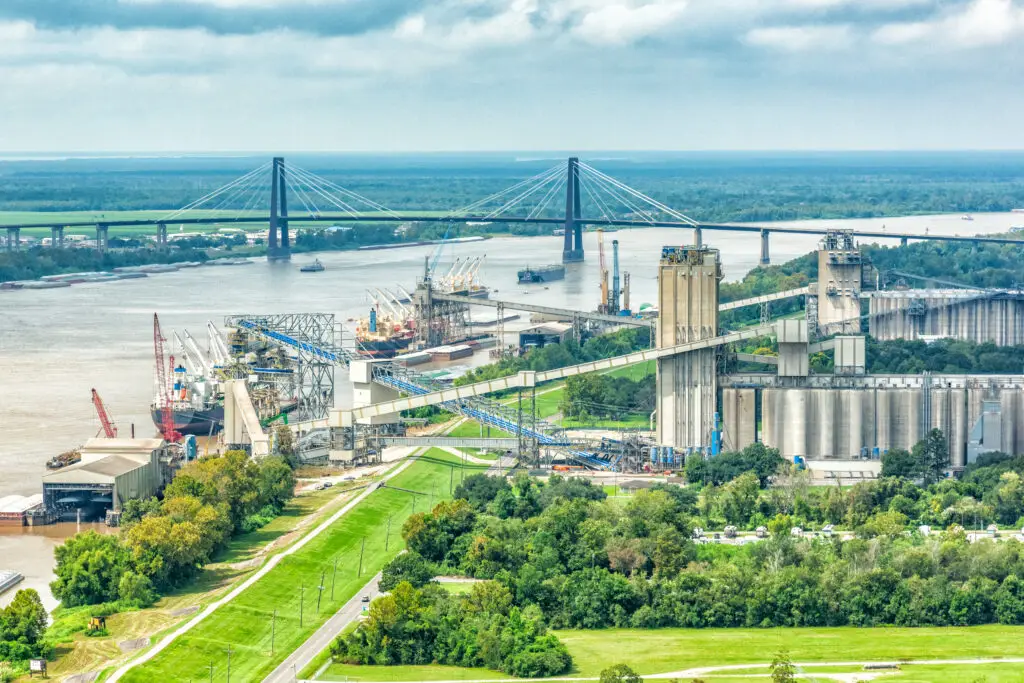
[
  {"x": 572, "y": 249},
  {"x": 279, "y": 246}
]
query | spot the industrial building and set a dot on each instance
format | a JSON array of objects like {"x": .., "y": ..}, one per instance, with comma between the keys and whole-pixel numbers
[
  {"x": 111, "y": 472},
  {"x": 541, "y": 335},
  {"x": 969, "y": 314},
  {"x": 688, "y": 279}
]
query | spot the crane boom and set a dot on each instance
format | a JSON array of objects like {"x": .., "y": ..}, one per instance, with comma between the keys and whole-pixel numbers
[
  {"x": 196, "y": 355},
  {"x": 163, "y": 386},
  {"x": 107, "y": 426}
]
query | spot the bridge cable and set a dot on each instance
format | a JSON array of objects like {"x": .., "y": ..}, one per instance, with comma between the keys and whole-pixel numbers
[
  {"x": 640, "y": 195},
  {"x": 562, "y": 182},
  {"x": 477, "y": 204},
  {"x": 215, "y": 193},
  {"x": 311, "y": 211},
  {"x": 522, "y": 195},
  {"x": 611, "y": 190},
  {"x": 314, "y": 185},
  {"x": 596, "y": 198},
  {"x": 240, "y": 191},
  {"x": 351, "y": 194}
]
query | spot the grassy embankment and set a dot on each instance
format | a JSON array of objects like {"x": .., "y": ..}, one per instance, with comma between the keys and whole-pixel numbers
[
  {"x": 675, "y": 650},
  {"x": 78, "y": 654},
  {"x": 245, "y": 623}
]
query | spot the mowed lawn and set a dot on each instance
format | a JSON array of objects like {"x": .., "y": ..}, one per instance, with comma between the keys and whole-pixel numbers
[
  {"x": 244, "y": 625},
  {"x": 672, "y": 650}
]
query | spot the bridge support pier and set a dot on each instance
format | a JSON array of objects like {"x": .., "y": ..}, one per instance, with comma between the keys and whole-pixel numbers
[
  {"x": 765, "y": 257},
  {"x": 13, "y": 239},
  {"x": 903, "y": 241},
  {"x": 278, "y": 244},
  {"x": 57, "y": 236},
  {"x": 161, "y": 235},
  {"x": 102, "y": 236},
  {"x": 572, "y": 248}
]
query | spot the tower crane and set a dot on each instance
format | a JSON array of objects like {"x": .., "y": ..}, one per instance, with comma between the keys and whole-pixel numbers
[{"x": 107, "y": 426}]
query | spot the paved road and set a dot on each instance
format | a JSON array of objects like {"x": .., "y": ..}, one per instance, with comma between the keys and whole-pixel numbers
[
  {"x": 238, "y": 590},
  {"x": 319, "y": 641}
]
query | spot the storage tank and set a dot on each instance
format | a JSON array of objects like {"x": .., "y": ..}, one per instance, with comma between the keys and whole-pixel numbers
[
  {"x": 794, "y": 436},
  {"x": 855, "y": 433},
  {"x": 959, "y": 428},
  {"x": 1009, "y": 410},
  {"x": 820, "y": 423},
  {"x": 883, "y": 414}
]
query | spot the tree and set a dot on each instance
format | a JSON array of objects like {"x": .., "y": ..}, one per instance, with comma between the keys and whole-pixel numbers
[
  {"x": 898, "y": 462},
  {"x": 89, "y": 568},
  {"x": 739, "y": 498},
  {"x": 136, "y": 590},
  {"x": 284, "y": 442},
  {"x": 24, "y": 620},
  {"x": 620, "y": 673},
  {"x": 932, "y": 454},
  {"x": 409, "y": 567},
  {"x": 480, "y": 489},
  {"x": 782, "y": 668}
]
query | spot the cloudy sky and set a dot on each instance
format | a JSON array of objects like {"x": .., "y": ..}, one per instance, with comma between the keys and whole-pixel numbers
[{"x": 395, "y": 75}]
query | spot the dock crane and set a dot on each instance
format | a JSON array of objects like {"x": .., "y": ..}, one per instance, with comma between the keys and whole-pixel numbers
[
  {"x": 107, "y": 426},
  {"x": 164, "y": 390}
]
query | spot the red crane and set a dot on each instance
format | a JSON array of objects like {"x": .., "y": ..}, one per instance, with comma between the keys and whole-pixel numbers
[
  {"x": 164, "y": 395},
  {"x": 109, "y": 429}
]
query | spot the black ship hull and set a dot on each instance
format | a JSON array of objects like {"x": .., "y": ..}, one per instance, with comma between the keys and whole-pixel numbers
[
  {"x": 387, "y": 348},
  {"x": 196, "y": 422},
  {"x": 549, "y": 274}
]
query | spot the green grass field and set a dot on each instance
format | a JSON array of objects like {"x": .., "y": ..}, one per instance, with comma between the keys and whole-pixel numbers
[
  {"x": 244, "y": 624},
  {"x": 671, "y": 650}
]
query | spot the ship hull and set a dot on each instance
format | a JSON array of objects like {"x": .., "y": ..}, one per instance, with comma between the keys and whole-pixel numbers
[
  {"x": 387, "y": 348},
  {"x": 530, "y": 275},
  {"x": 199, "y": 422}
]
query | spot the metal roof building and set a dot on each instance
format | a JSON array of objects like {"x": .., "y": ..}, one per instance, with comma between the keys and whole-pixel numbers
[{"x": 111, "y": 472}]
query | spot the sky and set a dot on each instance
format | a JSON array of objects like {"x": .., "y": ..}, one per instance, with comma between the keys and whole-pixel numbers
[{"x": 481, "y": 75}]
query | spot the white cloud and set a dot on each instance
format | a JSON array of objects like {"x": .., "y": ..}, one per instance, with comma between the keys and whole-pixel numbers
[
  {"x": 981, "y": 23},
  {"x": 800, "y": 38},
  {"x": 620, "y": 23}
]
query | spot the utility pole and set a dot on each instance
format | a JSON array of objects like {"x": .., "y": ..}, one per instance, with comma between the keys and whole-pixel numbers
[
  {"x": 320, "y": 593},
  {"x": 211, "y": 671},
  {"x": 362, "y": 547},
  {"x": 273, "y": 631},
  {"x": 229, "y": 652},
  {"x": 432, "y": 485},
  {"x": 334, "y": 577},
  {"x": 387, "y": 538},
  {"x": 451, "y": 480},
  {"x": 302, "y": 599}
]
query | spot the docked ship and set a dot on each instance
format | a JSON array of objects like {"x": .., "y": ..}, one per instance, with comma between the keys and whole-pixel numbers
[
  {"x": 383, "y": 336},
  {"x": 195, "y": 409},
  {"x": 542, "y": 274}
]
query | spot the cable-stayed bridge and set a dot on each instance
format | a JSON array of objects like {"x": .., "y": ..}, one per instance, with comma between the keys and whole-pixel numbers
[{"x": 567, "y": 197}]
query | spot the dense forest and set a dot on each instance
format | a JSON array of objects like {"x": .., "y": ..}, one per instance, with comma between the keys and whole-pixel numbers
[{"x": 559, "y": 554}]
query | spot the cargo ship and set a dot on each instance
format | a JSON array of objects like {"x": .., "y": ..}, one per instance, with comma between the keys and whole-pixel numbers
[
  {"x": 542, "y": 274},
  {"x": 314, "y": 267},
  {"x": 383, "y": 336},
  {"x": 201, "y": 421}
]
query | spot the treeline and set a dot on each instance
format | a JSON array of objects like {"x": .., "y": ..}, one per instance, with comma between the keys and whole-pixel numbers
[
  {"x": 597, "y": 395},
  {"x": 900, "y": 356},
  {"x": 162, "y": 544},
  {"x": 30, "y": 264},
  {"x": 583, "y": 562},
  {"x": 555, "y": 356}
]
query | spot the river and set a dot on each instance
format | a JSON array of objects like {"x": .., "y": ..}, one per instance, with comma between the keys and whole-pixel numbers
[{"x": 57, "y": 344}]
